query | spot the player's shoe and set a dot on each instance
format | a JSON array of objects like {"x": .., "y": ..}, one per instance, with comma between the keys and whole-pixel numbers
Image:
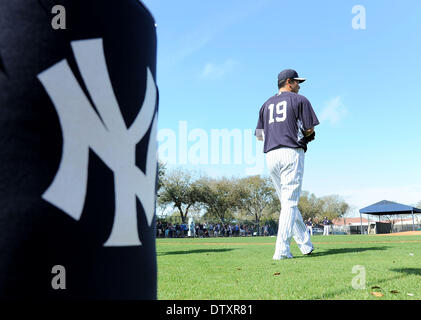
[
  {"x": 280, "y": 257},
  {"x": 311, "y": 251}
]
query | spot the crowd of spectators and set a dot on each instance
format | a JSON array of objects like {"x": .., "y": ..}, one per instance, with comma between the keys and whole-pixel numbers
[{"x": 204, "y": 230}]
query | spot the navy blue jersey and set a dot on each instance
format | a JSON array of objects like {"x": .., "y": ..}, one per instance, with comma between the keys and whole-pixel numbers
[{"x": 283, "y": 118}]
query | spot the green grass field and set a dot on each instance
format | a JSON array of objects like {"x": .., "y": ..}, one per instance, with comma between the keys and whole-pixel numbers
[{"x": 243, "y": 269}]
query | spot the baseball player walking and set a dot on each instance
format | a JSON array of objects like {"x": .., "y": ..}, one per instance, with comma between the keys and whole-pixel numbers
[
  {"x": 326, "y": 224},
  {"x": 309, "y": 225},
  {"x": 286, "y": 124}
]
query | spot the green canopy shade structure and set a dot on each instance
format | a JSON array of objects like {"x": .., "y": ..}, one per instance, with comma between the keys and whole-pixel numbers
[{"x": 389, "y": 208}]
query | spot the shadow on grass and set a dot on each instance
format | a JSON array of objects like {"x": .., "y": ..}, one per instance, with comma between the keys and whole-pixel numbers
[
  {"x": 408, "y": 271},
  {"x": 345, "y": 251},
  {"x": 404, "y": 273},
  {"x": 193, "y": 251},
  {"x": 369, "y": 286}
]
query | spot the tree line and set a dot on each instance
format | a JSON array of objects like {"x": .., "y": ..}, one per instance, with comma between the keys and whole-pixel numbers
[{"x": 224, "y": 200}]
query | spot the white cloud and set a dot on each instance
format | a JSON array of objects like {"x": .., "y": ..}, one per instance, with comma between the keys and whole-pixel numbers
[
  {"x": 211, "y": 26},
  {"x": 334, "y": 111},
  {"x": 216, "y": 71}
]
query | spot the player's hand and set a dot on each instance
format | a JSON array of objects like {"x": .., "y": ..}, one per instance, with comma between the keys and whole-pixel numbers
[{"x": 310, "y": 137}]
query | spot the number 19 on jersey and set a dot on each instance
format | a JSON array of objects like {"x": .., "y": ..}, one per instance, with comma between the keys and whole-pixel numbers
[{"x": 281, "y": 111}]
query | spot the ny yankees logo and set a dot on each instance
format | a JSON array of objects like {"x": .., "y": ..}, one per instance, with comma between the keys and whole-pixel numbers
[{"x": 106, "y": 135}]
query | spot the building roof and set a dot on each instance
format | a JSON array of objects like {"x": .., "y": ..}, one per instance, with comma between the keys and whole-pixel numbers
[
  {"x": 389, "y": 207},
  {"x": 356, "y": 221},
  {"x": 406, "y": 221},
  {"x": 349, "y": 221}
]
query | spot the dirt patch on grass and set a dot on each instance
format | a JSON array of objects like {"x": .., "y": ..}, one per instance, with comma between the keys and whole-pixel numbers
[{"x": 406, "y": 233}]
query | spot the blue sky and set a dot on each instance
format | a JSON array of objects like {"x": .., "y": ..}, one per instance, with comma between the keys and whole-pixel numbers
[{"x": 218, "y": 62}]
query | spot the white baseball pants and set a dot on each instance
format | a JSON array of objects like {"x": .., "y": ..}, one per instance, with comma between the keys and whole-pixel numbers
[{"x": 286, "y": 167}]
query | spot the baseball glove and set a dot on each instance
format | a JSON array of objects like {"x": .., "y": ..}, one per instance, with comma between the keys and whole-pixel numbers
[{"x": 310, "y": 137}]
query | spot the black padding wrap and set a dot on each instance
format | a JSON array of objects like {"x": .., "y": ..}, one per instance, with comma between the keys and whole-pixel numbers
[{"x": 77, "y": 186}]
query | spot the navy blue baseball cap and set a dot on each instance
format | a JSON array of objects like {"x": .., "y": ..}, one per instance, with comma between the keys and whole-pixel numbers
[{"x": 289, "y": 74}]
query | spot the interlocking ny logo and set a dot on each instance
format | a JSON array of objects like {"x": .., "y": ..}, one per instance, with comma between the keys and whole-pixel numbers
[{"x": 106, "y": 135}]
